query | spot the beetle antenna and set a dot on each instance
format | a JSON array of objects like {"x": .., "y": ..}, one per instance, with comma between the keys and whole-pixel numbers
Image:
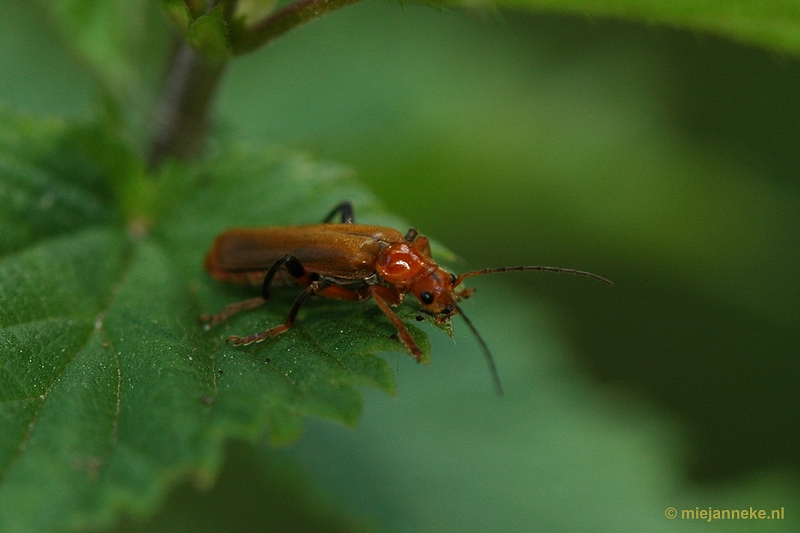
[
  {"x": 489, "y": 359},
  {"x": 484, "y": 271}
]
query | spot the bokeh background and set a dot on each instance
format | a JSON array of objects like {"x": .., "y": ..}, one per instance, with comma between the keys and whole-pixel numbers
[{"x": 665, "y": 160}]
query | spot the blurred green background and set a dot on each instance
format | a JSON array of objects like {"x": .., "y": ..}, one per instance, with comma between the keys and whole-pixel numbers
[{"x": 662, "y": 159}]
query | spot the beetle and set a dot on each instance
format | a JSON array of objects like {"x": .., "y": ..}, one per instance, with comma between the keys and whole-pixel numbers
[{"x": 346, "y": 261}]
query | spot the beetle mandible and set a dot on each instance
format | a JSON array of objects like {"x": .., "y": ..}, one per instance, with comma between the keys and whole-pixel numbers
[{"x": 346, "y": 261}]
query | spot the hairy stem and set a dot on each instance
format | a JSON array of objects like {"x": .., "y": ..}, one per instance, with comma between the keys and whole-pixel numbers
[
  {"x": 180, "y": 123},
  {"x": 248, "y": 39}
]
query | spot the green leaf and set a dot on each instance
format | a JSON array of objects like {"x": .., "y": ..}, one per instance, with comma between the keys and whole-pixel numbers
[
  {"x": 122, "y": 44},
  {"x": 50, "y": 184},
  {"x": 209, "y": 34},
  {"x": 110, "y": 390},
  {"x": 771, "y": 23},
  {"x": 178, "y": 14},
  {"x": 251, "y": 11}
]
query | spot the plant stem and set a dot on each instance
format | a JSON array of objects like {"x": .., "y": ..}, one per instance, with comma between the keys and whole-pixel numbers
[
  {"x": 248, "y": 39},
  {"x": 180, "y": 123}
]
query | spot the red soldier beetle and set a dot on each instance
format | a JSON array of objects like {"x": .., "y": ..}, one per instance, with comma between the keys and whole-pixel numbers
[{"x": 351, "y": 262}]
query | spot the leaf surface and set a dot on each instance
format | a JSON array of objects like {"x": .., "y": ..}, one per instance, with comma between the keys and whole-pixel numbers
[
  {"x": 110, "y": 390},
  {"x": 773, "y": 23}
]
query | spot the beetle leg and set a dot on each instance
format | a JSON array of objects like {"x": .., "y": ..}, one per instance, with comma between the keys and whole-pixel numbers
[
  {"x": 346, "y": 209},
  {"x": 337, "y": 292},
  {"x": 212, "y": 320},
  {"x": 381, "y": 294},
  {"x": 422, "y": 244},
  {"x": 294, "y": 267},
  {"x": 315, "y": 287},
  {"x": 297, "y": 271}
]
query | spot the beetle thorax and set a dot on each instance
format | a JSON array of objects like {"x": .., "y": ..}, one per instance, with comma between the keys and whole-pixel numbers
[{"x": 402, "y": 265}]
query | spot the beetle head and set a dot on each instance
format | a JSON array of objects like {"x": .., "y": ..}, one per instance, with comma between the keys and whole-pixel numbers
[{"x": 435, "y": 293}]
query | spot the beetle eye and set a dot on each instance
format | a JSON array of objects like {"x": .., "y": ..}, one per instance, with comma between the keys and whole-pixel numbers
[
  {"x": 426, "y": 297},
  {"x": 452, "y": 279}
]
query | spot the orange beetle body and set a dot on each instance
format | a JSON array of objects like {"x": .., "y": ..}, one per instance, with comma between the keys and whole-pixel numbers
[
  {"x": 344, "y": 251},
  {"x": 352, "y": 256},
  {"x": 344, "y": 261}
]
